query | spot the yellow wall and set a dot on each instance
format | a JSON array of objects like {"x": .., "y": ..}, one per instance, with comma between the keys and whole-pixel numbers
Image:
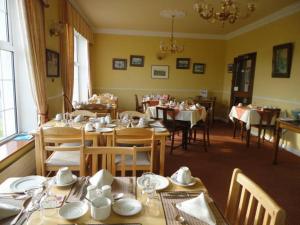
[
  {"x": 181, "y": 83},
  {"x": 53, "y": 85},
  {"x": 281, "y": 92}
]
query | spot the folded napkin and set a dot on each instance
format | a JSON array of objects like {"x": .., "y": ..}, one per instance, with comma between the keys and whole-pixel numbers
[
  {"x": 101, "y": 178},
  {"x": 198, "y": 207},
  {"x": 8, "y": 210},
  {"x": 193, "y": 107}
]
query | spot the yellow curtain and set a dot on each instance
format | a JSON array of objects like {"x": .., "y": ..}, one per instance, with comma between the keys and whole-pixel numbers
[
  {"x": 36, "y": 35},
  {"x": 73, "y": 20}
]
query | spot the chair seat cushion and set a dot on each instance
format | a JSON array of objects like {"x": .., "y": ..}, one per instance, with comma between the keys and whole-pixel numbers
[
  {"x": 64, "y": 158},
  {"x": 142, "y": 159}
]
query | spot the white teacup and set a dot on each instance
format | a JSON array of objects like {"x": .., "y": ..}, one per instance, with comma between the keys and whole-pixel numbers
[
  {"x": 100, "y": 208},
  {"x": 98, "y": 125},
  {"x": 184, "y": 175},
  {"x": 64, "y": 176},
  {"x": 102, "y": 120},
  {"x": 59, "y": 116},
  {"x": 88, "y": 126},
  {"x": 108, "y": 119}
]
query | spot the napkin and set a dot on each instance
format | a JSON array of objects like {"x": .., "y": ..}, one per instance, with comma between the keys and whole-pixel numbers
[
  {"x": 101, "y": 178},
  {"x": 78, "y": 118},
  {"x": 198, "y": 207},
  {"x": 8, "y": 210},
  {"x": 193, "y": 107}
]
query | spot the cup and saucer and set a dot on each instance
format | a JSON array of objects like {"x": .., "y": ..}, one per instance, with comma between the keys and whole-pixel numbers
[
  {"x": 64, "y": 177},
  {"x": 183, "y": 177}
]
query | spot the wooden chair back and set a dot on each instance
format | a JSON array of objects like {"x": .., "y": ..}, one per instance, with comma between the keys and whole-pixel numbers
[
  {"x": 267, "y": 116},
  {"x": 170, "y": 122},
  {"x": 52, "y": 140},
  {"x": 248, "y": 204},
  {"x": 85, "y": 113}
]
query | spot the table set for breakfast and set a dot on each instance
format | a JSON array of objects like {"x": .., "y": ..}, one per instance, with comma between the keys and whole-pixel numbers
[
  {"x": 103, "y": 199},
  {"x": 101, "y": 134}
]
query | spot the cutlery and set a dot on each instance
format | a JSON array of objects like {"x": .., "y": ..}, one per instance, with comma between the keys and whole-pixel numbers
[
  {"x": 24, "y": 206},
  {"x": 84, "y": 189},
  {"x": 118, "y": 196},
  {"x": 92, "y": 203},
  {"x": 180, "y": 219}
]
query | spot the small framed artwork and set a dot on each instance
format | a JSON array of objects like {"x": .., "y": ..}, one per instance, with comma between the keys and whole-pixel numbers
[
  {"x": 160, "y": 72},
  {"x": 282, "y": 60},
  {"x": 229, "y": 68},
  {"x": 119, "y": 64},
  {"x": 198, "y": 68},
  {"x": 137, "y": 60},
  {"x": 182, "y": 63},
  {"x": 52, "y": 63}
]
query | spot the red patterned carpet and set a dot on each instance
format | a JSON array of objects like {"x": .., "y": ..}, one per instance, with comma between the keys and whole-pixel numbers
[{"x": 282, "y": 182}]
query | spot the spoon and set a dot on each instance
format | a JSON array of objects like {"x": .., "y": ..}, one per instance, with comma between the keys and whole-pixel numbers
[
  {"x": 24, "y": 206},
  {"x": 118, "y": 196},
  {"x": 180, "y": 219},
  {"x": 92, "y": 203}
]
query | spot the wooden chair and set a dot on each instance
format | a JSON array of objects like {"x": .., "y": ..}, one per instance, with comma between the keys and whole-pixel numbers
[
  {"x": 143, "y": 139},
  {"x": 138, "y": 106},
  {"x": 84, "y": 113},
  {"x": 60, "y": 147},
  {"x": 204, "y": 126},
  {"x": 248, "y": 204},
  {"x": 107, "y": 154},
  {"x": 173, "y": 126},
  {"x": 267, "y": 122}
]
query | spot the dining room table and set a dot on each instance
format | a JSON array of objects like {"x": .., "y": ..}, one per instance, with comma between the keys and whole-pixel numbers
[
  {"x": 100, "y": 137},
  {"x": 192, "y": 116},
  {"x": 160, "y": 211}
]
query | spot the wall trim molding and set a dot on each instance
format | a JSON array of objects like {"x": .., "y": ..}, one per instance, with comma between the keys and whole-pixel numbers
[
  {"x": 55, "y": 97},
  {"x": 292, "y": 102},
  {"x": 284, "y": 12}
]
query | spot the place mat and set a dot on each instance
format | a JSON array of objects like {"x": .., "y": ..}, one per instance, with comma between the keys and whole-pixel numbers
[
  {"x": 167, "y": 198},
  {"x": 126, "y": 185}
]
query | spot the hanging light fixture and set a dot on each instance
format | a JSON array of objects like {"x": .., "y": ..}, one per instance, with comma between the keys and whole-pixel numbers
[
  {"x": 171, "y": 45},
  {"x": 229, "y": 11}
]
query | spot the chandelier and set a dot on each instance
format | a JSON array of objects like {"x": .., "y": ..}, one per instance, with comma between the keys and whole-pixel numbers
[
  {"x": 229, "y": 11},
  {"x": 171, "y": 46}
]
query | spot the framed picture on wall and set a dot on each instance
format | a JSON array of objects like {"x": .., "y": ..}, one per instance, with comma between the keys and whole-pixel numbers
[
  {"x": 282, "y": 60},
  {"x": 198, "y": 68},
  {"x": 160, "y": 72},
  {"x": 119, "y": 64},
  {"x": 52, "y": 63},
  {"x": 137, "y": 60},
  {"x": 182, "y": 63}
]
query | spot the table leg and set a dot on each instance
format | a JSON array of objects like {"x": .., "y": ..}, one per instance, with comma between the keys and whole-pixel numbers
[
  {"x": 248, "y": 137},
  {"x": 95, "y": 157},
  {"x": 162, "y": 155},
  {"x": 276, "y": 144},
  {"x": 234, "y": 127}
]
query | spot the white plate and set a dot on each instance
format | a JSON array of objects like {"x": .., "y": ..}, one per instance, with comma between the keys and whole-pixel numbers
[
  {"x": 159, "y": 129},
  {"x": 73, "y": 210},
  {"x": 65, "y": 185},
  {"x": 161, "y": 182},
  {"x": 127, "y": 207},
  {"x": 26, "y": 183},
  {"x": 174, "y": 181},
  {"x": 104, "y": 130},
  {"x": 111, "y": 125}
]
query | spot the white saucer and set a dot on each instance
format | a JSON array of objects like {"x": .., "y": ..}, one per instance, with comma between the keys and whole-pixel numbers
[
  {"x": 111, "y": 125},
  {"x": 161, "y": 182},
  {"x": 104, "y": 130},
  {"x": 174, "y": 181},
  {"x": 159, "y": 129},
  {"x": 27, "y": 183},
  {"x": 73, "y": 210},
  {"x": 127, "y": 207},
  {"x": 68, "y": 184}
]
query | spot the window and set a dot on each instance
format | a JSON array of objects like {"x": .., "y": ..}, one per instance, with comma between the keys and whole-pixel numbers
[
  {"x": 80, "y": 87},
  {"x": 8, "y": 112}
]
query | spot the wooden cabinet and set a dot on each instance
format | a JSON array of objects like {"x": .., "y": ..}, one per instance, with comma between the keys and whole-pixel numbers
[{"x": 242, "y": 79}]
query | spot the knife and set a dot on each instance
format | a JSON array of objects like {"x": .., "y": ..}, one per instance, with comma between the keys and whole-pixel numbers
[
  {"x": 25, "y": 204},
  {"x": 84, "y": 189}
]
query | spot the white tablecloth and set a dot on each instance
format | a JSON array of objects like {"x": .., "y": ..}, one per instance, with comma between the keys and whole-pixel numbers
[{"x": 193, "y": 116}]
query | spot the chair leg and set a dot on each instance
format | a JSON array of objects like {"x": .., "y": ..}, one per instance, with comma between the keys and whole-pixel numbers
[
  {"x": 207, "y": 134},
  {"x": 172, "y": 142},
  {"x": 248, "y": 137},
  {"x": 264, "y": 133},
  {"x": 234, "y": 127},
  {"x": 258, "y": 137},
  {"x": 195, "y": 134},
  {"x": 204, "y": 139}
]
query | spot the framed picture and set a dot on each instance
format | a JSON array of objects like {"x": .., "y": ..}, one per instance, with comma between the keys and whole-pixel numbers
[
  {"x": 229, "y": 68},
  {"x": 160, "y": 72},
  {"x": 137, "y": 60},
  {"x": 52, "y": 63},
  {"x": 119, "y": 64},
  {"x": 199, "y": 68},
  {"x": 282, "y": 60},
  {"x": 182, "y": 63}
]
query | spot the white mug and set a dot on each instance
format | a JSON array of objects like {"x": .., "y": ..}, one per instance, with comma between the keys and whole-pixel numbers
[
  {"x": 64, "y": 176},
  {"x": 100, "y": 208},
  {"x": 184, "y": 175}
]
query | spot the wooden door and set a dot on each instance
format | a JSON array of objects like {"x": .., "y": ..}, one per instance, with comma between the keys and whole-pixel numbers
[{"x": 242, "y": 79}]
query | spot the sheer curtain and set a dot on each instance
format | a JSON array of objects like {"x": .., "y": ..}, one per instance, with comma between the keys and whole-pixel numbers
[{"x": 34, "y": 41}]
